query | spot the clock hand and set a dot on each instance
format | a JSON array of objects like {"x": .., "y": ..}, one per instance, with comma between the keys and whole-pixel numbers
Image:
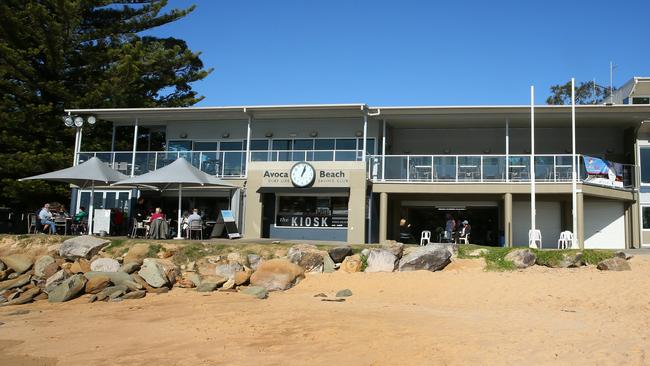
[{"x": 303, "y": 171}]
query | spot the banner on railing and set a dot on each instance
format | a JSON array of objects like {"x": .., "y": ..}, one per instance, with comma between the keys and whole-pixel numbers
[{"x": 604, "y": 172}]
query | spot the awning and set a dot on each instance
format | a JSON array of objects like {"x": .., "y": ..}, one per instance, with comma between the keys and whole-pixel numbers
[{"x": 311, "y": 190}]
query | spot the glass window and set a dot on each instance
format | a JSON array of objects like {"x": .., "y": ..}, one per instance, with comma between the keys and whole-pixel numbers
[
  {"x": 641, "y": 100},
  {"x": 370, "y": 146},
  {"x": 231, "y": 146},
  {"x": 180, "y": 145},
  {"x": 260, "y": 144},
  {"x": 303, "y": 144},
  {"x": 324, "y": 144},
  {"x": 312, "y": 211},
  {"x": 346, "y": 144},
  {"x": 645, "y": 165},
  {"x": 282, "y": 144},
  {"x": 646, "y": 217},
  {"x": 205, "y": 145}
]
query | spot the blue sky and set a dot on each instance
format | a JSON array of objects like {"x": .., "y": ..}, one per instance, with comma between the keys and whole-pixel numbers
[{"x": 409, "y": 52}]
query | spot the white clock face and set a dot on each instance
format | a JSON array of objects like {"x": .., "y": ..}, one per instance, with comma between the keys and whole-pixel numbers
[{"x": 302, "y": 175}]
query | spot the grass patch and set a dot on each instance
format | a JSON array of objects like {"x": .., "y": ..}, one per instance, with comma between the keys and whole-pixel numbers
[
  {"x": 495, "y": 260},
  {"x": 364, "y": 262},
  {"x": 154, "y": 249},
  {"x": 115, "y": 243},
  {"x": 594, "y": 256}
]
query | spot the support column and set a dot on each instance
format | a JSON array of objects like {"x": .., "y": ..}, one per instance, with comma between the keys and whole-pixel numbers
[
  {"x": 580, "y": 213},
  {"x": 248, "y": 143},
  {"x": 383, "y": 217},
  {"x": 635, "y": 222},
  {"x": 135, "y": 147},
  {"x": 507, "y": 219}
]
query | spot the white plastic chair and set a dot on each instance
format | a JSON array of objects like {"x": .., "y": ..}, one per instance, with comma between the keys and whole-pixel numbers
[
  {"x": 425, "y": 238},
  {"x": 566, "y": 240},
  {"x": 535, "y": 237},
  {"x": 464, "y": 240}
]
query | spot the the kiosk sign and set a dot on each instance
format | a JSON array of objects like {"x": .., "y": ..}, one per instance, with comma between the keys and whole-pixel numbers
[{"x": 311, "y": 221}]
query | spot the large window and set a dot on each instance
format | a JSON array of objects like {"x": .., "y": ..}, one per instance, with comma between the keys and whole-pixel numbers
[
  {"x": 312, "y": 211},
  {"x": 646, "y": 218},
  {"x": 645, "y": 165}
]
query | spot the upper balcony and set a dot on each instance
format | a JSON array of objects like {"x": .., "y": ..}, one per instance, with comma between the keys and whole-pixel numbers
[{"x": 489, "y": 169}]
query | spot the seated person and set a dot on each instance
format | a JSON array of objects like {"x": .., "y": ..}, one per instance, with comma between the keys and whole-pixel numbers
[
  {"x": 46, "y": 219},
  {"x": 466, "y": 230},
  {"x": 194, "y": 216},
  {"x": 158, "y": 214},
  {"x": 79, "y": 221}
]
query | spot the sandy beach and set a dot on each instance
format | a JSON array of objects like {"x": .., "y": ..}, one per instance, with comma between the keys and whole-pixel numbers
[{"x": 462, "y": 315}]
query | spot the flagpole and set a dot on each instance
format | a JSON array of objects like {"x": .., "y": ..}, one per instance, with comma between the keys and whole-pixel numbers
[
  {"x": 574, "y": 209},
  {"x": 532, "y": 243}
]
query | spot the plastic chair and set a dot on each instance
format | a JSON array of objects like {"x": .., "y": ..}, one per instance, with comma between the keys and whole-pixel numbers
[
  {"x": 196, "y": 225},
  {"x": 425, "y": 238},
  {"x": 566, "y": 240},
  {"x": 32, "y": 227},
  {"x": 534, "y": 237},
  {"x": 464, "y": 239},
  {"x": 136, "y": 227}
]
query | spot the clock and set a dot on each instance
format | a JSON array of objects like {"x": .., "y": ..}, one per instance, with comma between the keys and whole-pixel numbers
[{"x": 302, "y": 175}]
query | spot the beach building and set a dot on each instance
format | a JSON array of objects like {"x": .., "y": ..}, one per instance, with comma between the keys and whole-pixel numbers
[{"x": 351, "y": 172}]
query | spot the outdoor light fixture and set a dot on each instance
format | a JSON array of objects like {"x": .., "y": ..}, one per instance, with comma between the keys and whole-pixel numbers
[
  {"x": 78, "y": 121},
  {"x": 269, "y": 134},
  {"x": 69, "y": 122},
  {"x": 91, "y": 120},
  {"x": 183, "y": 135},
  {"x": 225, "y": 135},
  {"x": 359, "y": 133},
  {"x": 313, "y": 133}
]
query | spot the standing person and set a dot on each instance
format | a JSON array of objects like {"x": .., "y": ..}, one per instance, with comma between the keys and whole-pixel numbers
[
  {"x": 46, "y": 218},
  {"x": 140, "y": 210},
  {"x": 405, "y": 235},
  {"x": 450, "y": 226}
]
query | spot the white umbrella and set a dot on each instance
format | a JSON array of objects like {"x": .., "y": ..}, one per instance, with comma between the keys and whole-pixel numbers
[
  {"x": 89, "y": 173},
  {"x": 179, "y": 174}
]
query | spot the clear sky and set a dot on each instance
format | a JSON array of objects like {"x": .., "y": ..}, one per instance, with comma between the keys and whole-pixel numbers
[{"x": 409, "y": 52}]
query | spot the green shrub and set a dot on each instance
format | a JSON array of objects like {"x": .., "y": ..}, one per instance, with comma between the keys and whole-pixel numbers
[
  {"x": 364, "y": 262},
  {"x": 495, "y": 260}
]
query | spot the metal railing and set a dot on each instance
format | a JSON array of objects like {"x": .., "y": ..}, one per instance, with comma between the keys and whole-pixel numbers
[
  {"x": 306, "y": 155},
  {"x": 549, "y": 168}
]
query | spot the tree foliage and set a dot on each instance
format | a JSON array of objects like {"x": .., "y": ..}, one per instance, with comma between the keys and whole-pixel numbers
[
  {"x": 57, "y": 54},
  {"x": 587, "y": 92}
]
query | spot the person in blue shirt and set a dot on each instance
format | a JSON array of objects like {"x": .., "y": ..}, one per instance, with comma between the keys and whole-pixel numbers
[{"x": 46, "y": 219}]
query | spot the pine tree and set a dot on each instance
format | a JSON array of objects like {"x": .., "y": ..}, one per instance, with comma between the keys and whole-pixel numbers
[
  {"x": 586, "y": 93},
  {"x": 57, "y": 54}
]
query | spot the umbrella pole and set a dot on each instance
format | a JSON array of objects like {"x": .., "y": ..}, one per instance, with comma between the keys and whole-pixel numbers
[
  {"x": 180, "y": 193},
  {"x": 91, "y": 213}
]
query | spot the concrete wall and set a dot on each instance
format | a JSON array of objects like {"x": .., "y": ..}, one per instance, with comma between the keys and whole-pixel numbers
[{"x": 548, "y": 220}]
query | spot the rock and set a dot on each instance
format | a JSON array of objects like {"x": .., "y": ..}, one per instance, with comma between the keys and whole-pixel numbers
[
  {"x": 132, "y": 285},
  {"x": 118, "y": 278},
  {"x": 567, "y": 260},
  {"x": 351, "y": 264},
  {"x": 15, "y": 282},
  {"x": 85, "y": 246},
  {"x": 154, "y": 273},
  {"x": 380, "y": 260},
  {"x": 229, "y": 285},
  {"x": 111, "y": 292},
  {"x": 522, "y": 258},
  {"x": 277, "y": 274},
  {"x": 105, "y": 265},
  {"x": 130, "y": 267},
  {"x": 12, "y": 275},
  {"x": 254, "y": 261},
  {"x": 614, "y": 264},
  {"x": 365, "y": 252},
  {"x": 228, "y": 269},
  {"x": 451, "y": 247},
  {"x": 237, "y": 257},
  {"x": 97, "y": 284},
  {"x": 425, "y": 258},
  {"x": 136, "y": 254},
  {"x": 24, "y": 297},
  {"x": 344, "y": 293},
  {"x": 338, "y": 254},
  {"x": 67, "y": 289},
  {"x": 2, "y": 266},
  {"x": 328, "y": 264},
  {"x": 621, "y": 254},
  {"x": 207, "y": 287},
  {"x": 81, "y": 265},
  {"x": 307, "y": 256},
  {"x": 56, "y": 278},
  {"x": 41, "y": 264},
  {"x": 50, "y": 269},
  {"x": 395, "y": 247},
  {"x": 185, "y": 283},
  {"x": 20, "y": 263},
  {"x": 320, "y": 295},
  {"x": 256, "y": 291},
  {"x": 478, "y": 252},
  {"x": 242, "y": 277},
  {"x": 171, "y": 270},
  {"x": 41, "y": 296},
  {"x": 4, "y": 274},
  {"x": 135, "y": 295}
]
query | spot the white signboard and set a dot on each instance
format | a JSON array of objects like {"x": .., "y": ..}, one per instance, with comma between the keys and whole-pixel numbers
[{"x": 102, "y": 221}]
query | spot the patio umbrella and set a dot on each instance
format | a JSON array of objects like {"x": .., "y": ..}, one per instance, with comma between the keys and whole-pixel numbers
[
  {"x": 179, "y": 174},
  {"x": 89, "y": 173}
]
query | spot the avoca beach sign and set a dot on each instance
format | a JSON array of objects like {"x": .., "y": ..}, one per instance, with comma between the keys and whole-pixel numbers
[{"x": 323, "y": 178}]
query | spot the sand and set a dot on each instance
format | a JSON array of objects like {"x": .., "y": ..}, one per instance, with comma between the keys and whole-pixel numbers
[{"x": 461, "y": 315}]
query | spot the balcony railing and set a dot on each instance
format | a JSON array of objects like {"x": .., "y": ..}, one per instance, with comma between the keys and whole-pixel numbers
[{"x": 478, "y": 169}]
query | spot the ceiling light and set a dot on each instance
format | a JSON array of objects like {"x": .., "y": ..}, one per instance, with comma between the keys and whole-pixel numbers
[
  {"x": 78, "y": 121},
  {"x": 91, "y": 120}
]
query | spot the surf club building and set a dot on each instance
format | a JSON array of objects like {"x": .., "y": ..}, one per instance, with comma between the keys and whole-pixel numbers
[{"x": 350, "y": 172}]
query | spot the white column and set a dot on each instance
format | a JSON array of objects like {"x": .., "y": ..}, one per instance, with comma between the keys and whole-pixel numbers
[
  {"x": 135, "y": 147},
  {"x": 383, "y": 150},
  {"x": 76, "y": 146},
  {"x": 532, "y": 163},
  {"x": 507, "y": 149},
  {"x": 365, "y": 134},
  {"x": 248, "y": 142},
  {"x": 180, "y": 215},
  {"x": 574, "y": 209}
]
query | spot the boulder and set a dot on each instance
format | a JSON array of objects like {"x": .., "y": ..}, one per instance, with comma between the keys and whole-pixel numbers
[
  {"x": 381, "y": 260},
  {"x": 277, "y": 274},
  {"x": 56, "y": 278},
  {"x": 395, "y": 247},
  {"x": 97, "y": 284},
  {"x": 67, "y": 289},
  {"x": 24, "y": 297},
  {"x": 338, "y": 254},
  {"x": 172, "y": 271},
  {"x": 328, "y": 264},
  {"x": 81, "y": 265},
  {"x": 566, "y": 260},
  {"x": 229, "y": 285},
  {"x": 307, "y": 256},
  {"x": 4, "y": 274},
  {"x": 344, "y": 293},
  {"x": 351, "y": 264},
  {"x": 2, "y": 266},
  {"x": 105, "y": 265},
  {"x": 242, "y": 277},
  {"x": 111, "y": 292},
  {"x": 41, "y": 264},
  {"x": 425, "y": 258},
  {"x": 207, "y": 287},
  {"x": 154, "y": 273},
  {"x": 194, "y": 277},
  {"x": 614, "y": 264},
  {"x": 134, "y": 295},
  {"x": 20, "y": 263},
  {"x": 132, "y": 285},
  {"x": 228, "y": 269},
  {"x": 254, "y": 261},
  {"x": 85, "y": 246},
  {"x": 621, "y": 254},
  {"x": 451, "y": 247},
  {"x": 237, "y": 257},
  {"x": 130, "y": 267},
  {"x": 50, "y": 269},
  {"x": 256, "y": 291},
  {"x": 521, "y": 258},
  {"x": 136, "y": 254},
  {"x": 15, "y": 282},
  {"x": 117, "y": 278}
]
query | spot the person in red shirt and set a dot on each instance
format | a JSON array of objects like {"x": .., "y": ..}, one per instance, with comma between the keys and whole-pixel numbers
[{"x": 158, "y": 214}]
